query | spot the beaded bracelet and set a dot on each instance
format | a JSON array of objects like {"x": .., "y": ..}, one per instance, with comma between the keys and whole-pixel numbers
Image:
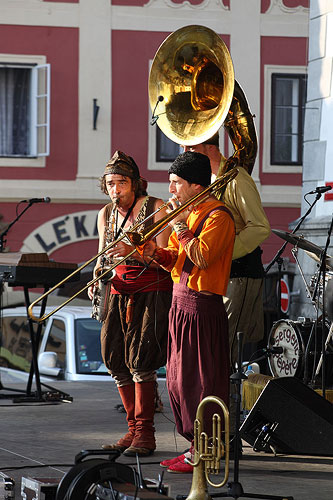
[{"x": 180, "y": 227}]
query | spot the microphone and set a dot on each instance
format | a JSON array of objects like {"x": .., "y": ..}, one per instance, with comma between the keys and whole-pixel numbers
[
  {"x": 273, "y": 350},
  {"x": 320, "y": 189},
  {"x": 38, "y": 200},
  {"x": 154, "y": 117}
]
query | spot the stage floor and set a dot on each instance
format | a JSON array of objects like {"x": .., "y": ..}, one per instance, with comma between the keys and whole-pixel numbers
[{"x": 41, "y": 440}]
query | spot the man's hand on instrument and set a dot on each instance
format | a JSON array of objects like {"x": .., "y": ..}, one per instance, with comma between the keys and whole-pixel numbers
[
  {"x": 149, "y": 249},
  {"x": 119, "y": 250},
  {"x": 90, "y": 290},
  {"x": 182, "y": 216}
]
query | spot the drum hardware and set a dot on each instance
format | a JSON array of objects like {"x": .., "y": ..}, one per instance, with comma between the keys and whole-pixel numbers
[
  {"x": 309, "y": 295},
  {"x": 299, "y": 241},
  {"x": 321, "y": 297},
  {"x": 328, "y": 260},
  {"x": 312, "y": 352},
  {"x": 322, "y": 272},
  {"x": 324, "y": 293},
  {"x": 295, "y": 239},
  {"x": 316, "y": 253},
  {"x": 328, "y": 339}
]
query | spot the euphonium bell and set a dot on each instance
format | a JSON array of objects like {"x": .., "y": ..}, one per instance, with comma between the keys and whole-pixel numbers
[{"x": 209, "y": 450}]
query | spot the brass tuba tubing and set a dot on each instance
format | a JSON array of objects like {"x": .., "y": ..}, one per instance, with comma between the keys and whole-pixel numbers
[{"x": 136, "y": 239}]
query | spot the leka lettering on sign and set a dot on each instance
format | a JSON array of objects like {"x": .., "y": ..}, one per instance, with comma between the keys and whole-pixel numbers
[{"x": 62, "y": 231}]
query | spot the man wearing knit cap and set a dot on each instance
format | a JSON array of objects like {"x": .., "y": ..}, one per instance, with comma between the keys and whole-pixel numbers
[
  {"x": 244, "y": 297},
  {"x": 135, "y": 327},
  {"x": 199, "y": 257}
]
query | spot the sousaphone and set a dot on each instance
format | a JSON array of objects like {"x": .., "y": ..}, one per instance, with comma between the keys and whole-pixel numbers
[{"x": 193, "y": 92}]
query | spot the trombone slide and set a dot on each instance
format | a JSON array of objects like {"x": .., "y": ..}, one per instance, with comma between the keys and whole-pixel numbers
[{"x": 136, "y": 239}]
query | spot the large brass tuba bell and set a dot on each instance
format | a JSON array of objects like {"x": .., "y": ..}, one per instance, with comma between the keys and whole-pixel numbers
[
  {"x": 193, "y": 92},
  {"x": 192, "y": 80}
]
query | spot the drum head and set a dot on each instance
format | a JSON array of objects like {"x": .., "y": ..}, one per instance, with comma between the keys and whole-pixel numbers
[{"x": 285, "y": 334}]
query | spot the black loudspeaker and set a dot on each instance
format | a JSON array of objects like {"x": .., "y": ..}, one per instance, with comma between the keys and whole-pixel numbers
[{"x": 289, "y": 417}]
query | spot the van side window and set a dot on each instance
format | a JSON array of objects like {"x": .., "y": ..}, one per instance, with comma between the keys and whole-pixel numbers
[
  {"x": 56, "y": 342},
  {"x": 15, "y": 343},
  {"x": 88, "y": 347}
]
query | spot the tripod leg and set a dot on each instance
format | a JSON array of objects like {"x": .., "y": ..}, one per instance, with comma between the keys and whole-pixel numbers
[{"x": 34, "y": 348}]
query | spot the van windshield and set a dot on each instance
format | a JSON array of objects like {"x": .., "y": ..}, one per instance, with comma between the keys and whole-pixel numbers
[{"x": 88, "y": 347}]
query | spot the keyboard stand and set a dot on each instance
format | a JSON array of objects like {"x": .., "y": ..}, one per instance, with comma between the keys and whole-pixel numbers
[{"x": 38, "y": 396}]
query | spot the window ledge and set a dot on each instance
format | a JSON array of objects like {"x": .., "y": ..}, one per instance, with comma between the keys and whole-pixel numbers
[
  {"x": 8, "y": 161},
  {"x": 283, "y": 169}
]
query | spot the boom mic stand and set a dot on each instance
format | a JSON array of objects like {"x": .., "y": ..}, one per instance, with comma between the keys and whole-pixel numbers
[
  {"x": 322, "y": 272},
  {"x": 3, "y": 234},
  {"x": 235, "y": 489},
  {"x": 277, "y": 258}
]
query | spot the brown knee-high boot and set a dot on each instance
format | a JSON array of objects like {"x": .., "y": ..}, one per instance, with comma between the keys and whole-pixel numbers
[
  {"x": 127, "y": 394},
  {"x": 143, "y": 443}
]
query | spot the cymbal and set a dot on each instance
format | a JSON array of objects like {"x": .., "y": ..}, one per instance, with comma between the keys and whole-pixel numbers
[
  {"x": 328, "y": 260},
  {"x": 298, "y": 241}
]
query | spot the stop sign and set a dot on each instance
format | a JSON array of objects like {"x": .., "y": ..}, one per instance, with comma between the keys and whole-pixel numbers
[{"x": 285, "y": 296}]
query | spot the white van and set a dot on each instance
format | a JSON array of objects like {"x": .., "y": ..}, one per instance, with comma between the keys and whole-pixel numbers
[{"x": 69, "y": 347}]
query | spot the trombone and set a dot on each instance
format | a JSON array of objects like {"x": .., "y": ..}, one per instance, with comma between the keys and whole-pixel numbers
[{"x": 136, "y": 239}]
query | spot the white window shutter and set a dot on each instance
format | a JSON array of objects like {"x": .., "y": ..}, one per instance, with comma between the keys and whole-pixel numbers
[{"x": 40, "y": 132}]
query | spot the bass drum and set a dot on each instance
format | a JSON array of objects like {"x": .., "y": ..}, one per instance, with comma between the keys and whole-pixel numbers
[{"x": 293, "y": 337}]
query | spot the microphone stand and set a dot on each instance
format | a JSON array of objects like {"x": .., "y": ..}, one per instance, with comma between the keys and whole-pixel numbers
[
  {"x": 154, "y": 117},
  {"x": 3, "y": 234},
  {"x": 322, "y": 272},
  {"x": 235, "y": 489},
  {"x": 277, "y": 258}
]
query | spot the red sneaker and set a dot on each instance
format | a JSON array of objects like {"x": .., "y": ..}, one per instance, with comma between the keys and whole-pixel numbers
[
  {"x": 172, "y": 461},
  {"x": 181, "y": 467}
]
